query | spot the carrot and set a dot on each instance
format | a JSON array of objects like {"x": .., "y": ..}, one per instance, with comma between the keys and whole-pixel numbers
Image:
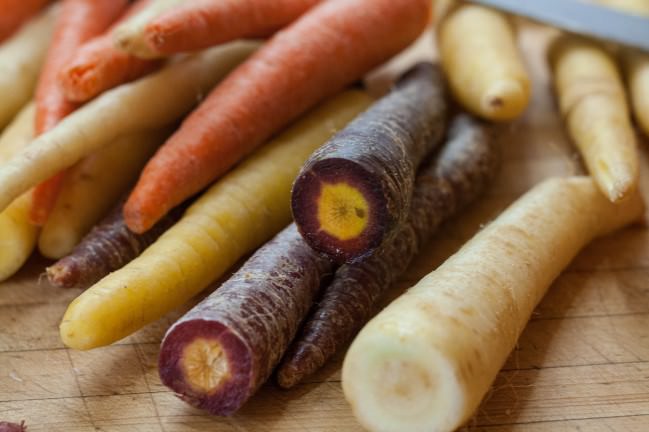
[
  {"x": 593, "y": 103},
  {"x": 98, "y": 66},
  {"x": 287, "y": 76},
  {"x": 17, "y": 235},
  {"x": 15, "y": 13},
  {"x": 91, "y": 188},
  {"x": 151, "y": 102},
  {"x": 354, "y": 191},
  {"x": 108, "y": 247},
  {"x": 235, "y": 216},
  {"x": 219, "y": 354},
  {"x": 425, "y": 362},
  {"x": 203, "y": 23},
  {"x": 13, "y": 427},
  {"x": 636, "y": 65},
  {"x": 21, "y": 57},
  {"x": 126, "y": 36},
  {"x": 459, "y": 174},
  {"x": 79, "y": 21},
  {"x": 478, "y": 51}
]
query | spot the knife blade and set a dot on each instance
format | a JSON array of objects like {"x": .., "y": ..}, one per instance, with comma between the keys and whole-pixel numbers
[{"x": 580, "y": 17}]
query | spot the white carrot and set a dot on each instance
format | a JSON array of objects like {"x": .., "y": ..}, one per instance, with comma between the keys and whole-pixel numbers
[
  {"x": 21, "y": 58},
  {"x": 128, "y": 36},
  {"x": 593, "y": 103},
  {"x": 154, "y": 101},
  {"x": 427, "y": 360}
]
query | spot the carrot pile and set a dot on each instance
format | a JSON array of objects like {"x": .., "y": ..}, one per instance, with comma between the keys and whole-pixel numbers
[{"x": 147, "y": 149}]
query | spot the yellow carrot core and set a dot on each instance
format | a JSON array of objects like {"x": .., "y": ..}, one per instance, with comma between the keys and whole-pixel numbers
[
  {"x": 343, "y": 211},
  {"x": 204, "y": 365}
]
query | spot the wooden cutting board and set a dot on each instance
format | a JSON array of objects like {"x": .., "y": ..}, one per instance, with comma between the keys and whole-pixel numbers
[{"x": 581, "y": 365}]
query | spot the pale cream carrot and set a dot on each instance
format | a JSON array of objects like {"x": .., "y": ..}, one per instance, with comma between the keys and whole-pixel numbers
[
  {"x": 427, "y": 360},
  {"x": 21, "y": 58}
]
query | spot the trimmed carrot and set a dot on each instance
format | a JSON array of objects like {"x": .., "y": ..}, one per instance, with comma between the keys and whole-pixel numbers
[
  {"x": 219, "y": 354},
  {"x": 235, "y": 216},
  {"x": 151, "y": 102},
  {"x": 98, "y": 66},
  {"x": 79, "y": 21},
  {"x": 126, "y": 36},
  {"x": 107, "y": 248},
  {"x": 16, "y": 12},
  {"x": 17, "y": 235},
  {"x": 593, "y": 103},
  {"x": 460, "y": 173},
  {"x": 92, "y": 187},
  {"x": 21, "y": 58},
  {"x": 354, "y": 191},
  {"x": 426, "y": 361},
  {"x": 327, "y": 48},
  {"x": 203, "y": 23}
]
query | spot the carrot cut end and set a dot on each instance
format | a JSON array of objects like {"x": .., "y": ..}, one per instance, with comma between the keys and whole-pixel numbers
[
  {"x": 340, "y": 209},
  {"x": 207, "y": 365}
]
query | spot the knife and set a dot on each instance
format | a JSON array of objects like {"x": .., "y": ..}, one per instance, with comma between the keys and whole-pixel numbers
[{"x": 580, "y": 17}]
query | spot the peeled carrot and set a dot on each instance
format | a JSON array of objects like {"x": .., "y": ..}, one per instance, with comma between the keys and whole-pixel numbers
[
  {"x": 330, "y": 46},
  {"x": 203, "y": 23},
  {"x": 13, "y": 13},
  {"x": 78, "y": 21},
  {"x": 459, "y": 174},
  {"x": 98, "y": 66}
]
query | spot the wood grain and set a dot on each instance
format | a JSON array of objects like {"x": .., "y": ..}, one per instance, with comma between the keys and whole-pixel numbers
[{"x": 582, "y": 364}]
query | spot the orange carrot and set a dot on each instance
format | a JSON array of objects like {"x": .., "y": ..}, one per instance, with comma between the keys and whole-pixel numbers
[
  {"x": 203, "y": 23},
  {"x": 98, "y": 66},
  {"x": 15, "y": 12},
  {"x": 79, "y": 21},
  {"x": 332, "y": 45}
]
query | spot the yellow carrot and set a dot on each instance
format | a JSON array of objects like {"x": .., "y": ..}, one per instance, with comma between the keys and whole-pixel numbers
[
  {"x": 154, "y": 101},
  {"x": 478, "y": 51},
  {"x": 236, "y": 215},
  {"x": 636, "y": 65},
  {"x": 593, "y": 103},
  {"x": 17, "y": 234},
  {"x": 21, "y": 58},
  {"x": 427, "y": 360},
  {"x": 92, "y": 187}
]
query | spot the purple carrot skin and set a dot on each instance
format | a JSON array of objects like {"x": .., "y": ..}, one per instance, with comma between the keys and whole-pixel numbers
[
  {"x": 223, "y": 350},
  {"x": 108, "y": 247},
  {"x": 355, "y": 190},
  {"x": 458, "y": 176},
  {"x": 12, "y": 427}
]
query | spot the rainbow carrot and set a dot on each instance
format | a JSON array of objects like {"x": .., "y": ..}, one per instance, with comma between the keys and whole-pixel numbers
[
  {"x": 98, "y": 66},
  {"x": 15, "y": 13},
  {"x": 78, "y": 21},
  {"x": 332, "y": 45},
  {"x": 203, "y": 23}
]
